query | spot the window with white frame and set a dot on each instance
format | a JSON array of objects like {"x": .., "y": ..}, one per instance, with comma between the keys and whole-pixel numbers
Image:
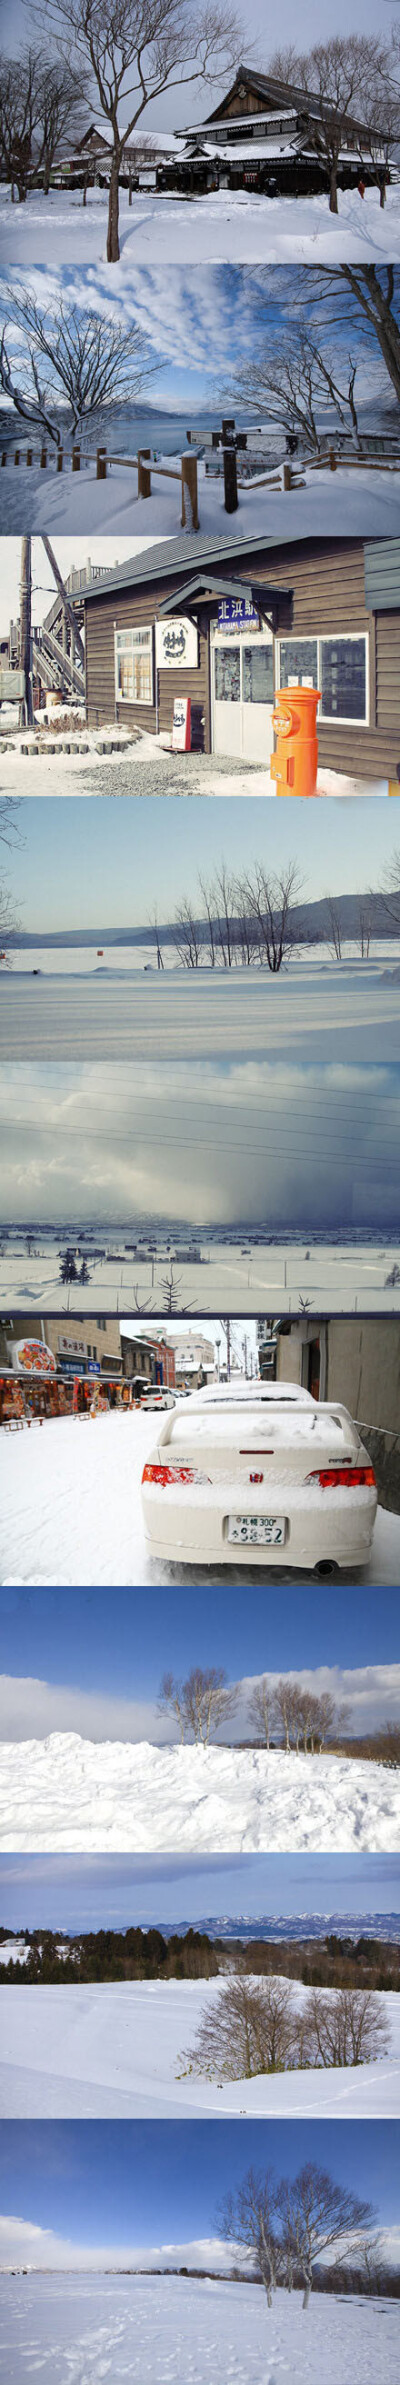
[
  {"x": 134, "y": 665},
  {"x": 338, "y": 666}
]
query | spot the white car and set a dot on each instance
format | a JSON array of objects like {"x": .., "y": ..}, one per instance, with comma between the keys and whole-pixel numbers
[{"x": 263, "y": 1467}]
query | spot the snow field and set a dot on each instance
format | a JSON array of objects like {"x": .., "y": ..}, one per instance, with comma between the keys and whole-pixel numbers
[
  {"x": 70, "y": 1494},
  {"x": 181, "y": 2331},
  {"x": 353, "y": 501},
  {"x": 221, "y": 1016},
  {"x": 239, "y": 227},
  {"x": 65, "y": 1792},
  {"x": 117, "y": 2051},
  {"x": 339, "y": 1281}
]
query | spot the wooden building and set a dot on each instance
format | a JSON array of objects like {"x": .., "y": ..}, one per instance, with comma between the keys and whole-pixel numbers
[
  {"x": 271, "y": 136},
  {"x": 228, "y": 622}
]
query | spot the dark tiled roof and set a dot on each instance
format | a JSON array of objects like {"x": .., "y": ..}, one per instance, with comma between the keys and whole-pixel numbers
[
  {"x": 284, "y": 95},
  {"x": 160, "y": 562}
]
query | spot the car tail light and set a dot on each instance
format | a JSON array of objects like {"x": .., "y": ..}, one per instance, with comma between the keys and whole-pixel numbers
[
  {"x": 345, "y": 1477},
  {"x": 166, "y": 1474}
]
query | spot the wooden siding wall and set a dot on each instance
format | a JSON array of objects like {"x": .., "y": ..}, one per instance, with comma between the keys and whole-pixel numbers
[{"x": 327, "y": 578}]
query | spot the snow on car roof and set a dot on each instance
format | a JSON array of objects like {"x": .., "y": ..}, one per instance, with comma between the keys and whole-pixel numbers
[{"x": 216, "y": 1394}]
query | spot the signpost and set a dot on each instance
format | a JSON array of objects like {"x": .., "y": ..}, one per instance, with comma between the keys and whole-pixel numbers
[
  {"x": 181, "y": 725},
  {"x": 237, "y": 612}
]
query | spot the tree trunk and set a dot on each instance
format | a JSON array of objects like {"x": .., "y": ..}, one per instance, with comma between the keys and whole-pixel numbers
[
  {"x": 333, "y": 197},
  {"x": 306, "y": 2296},
  {"x": 25, "y": 626},
  {"x": 113, "y": 249}
]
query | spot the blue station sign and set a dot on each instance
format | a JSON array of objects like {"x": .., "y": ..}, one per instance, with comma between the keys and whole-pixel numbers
[{"x": 237, "y": 612}]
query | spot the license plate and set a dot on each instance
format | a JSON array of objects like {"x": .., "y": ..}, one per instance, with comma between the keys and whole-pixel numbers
[{"x": 267, "y": 1530}]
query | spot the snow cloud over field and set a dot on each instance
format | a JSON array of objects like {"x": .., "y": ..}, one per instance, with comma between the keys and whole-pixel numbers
[{"x": 324, "y": 1143}]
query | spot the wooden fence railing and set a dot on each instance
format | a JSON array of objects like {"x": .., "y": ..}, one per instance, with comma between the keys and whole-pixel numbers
[{"x": 58, "y": 457}]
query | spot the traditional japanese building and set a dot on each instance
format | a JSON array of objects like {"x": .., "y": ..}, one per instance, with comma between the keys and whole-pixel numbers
[
  {"x": 229, "y": 621},
  {"x": 272, "y": 137}
]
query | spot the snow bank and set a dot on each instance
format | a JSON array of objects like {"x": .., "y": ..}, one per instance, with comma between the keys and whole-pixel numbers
[
  {"x": 65, "y": 1792},
  {"x": 235, "y": 226},
  {"x": 117, "y": 2051},
  {"x": 191, "y": 2332},
  {"x": 350, "y": 502},
  {"x": 136, "y": 1014}
]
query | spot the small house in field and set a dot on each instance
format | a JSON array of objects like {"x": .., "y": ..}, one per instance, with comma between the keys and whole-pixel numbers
[
  {"x": 227, "y": 622},
  {"x": 270, "y": 137},
  {"x": 89, "y": 162}
]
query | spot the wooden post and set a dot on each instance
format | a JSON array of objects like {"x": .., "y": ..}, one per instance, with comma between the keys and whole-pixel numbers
[
  {"x": 76, "y": 459},
  {"x": 287, "y": 476},
  {"x": 4, "y": 455},
  {"x": 29, "y": 455},
  {"x": 230, "y": 479},
  {"x": 190, "y": 512},
  {"x": 16, "y": 455},
  {"x": 43, "y": 459},
  {"x": 144, "y": 475},
  {"x": 101, "y": 463},
  {"x": 332, "y": 460},
  {"x": 60, "y": 459}
]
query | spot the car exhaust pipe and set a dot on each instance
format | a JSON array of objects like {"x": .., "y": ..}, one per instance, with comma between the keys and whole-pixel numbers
[{"x": 326, "y": 1569}]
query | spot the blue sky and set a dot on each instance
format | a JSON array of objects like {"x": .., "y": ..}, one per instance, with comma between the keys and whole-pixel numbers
[
  {"x": 101, "y": 865},
  {"x": 73, "y": 1892},
  {"x": 107, "y": 2182},
  {"x": 121, "y": 1641},
  {"x": 198, "y": 329}
]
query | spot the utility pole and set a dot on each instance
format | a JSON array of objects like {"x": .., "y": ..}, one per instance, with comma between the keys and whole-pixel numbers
[{"x": 25, "y": 635}]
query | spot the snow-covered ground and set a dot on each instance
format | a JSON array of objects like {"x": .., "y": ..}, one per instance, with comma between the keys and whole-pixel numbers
[
  {"x": 235, "y": 226},
  {"x": 72, "y": 1513},
  {"x": 120, "y": 2052},
  {"x": 184, "y": 2331},
  {"x": 150, "y": 769},
  {"x": 337, "y": 1280},
  {"x": 69, "y": 1794},
  {"x": 319, "y": 1011},
  {"x": 354, "y": 501}
]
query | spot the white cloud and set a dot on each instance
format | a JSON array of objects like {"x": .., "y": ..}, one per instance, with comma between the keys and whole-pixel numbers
[
  {"x": 23, "y": 2244},
  {"x": 33, "y": 1709}
]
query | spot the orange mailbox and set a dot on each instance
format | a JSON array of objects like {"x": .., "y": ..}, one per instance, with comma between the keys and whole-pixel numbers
[{"x": 295, "y": 763}]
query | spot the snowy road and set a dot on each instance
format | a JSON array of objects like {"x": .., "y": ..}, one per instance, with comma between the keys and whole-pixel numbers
[
  {"x": 77, "y": 1795},
  {"x": 236, "y": 226},
  {"x": 60, "y": 1523},
  {"x": 77, "y": 2330},
  {"x": 351, "y": 1015},
  {"x": 118, "y": 2052}
]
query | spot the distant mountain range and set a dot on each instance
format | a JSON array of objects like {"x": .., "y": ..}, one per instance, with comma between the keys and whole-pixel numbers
[
  {"x": 275, "y": 1926},
  {"x": 309, "y": 921}
]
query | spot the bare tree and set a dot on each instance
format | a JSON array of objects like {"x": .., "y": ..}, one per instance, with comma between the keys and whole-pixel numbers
[
  {"x": 206, "y": 891},
  {"x": 250, "y": 2030},
  {"x": 335, "y": 927},
  {"x": 287, "y": 1696},
  {"x": 390, "y": 889},
  {"x": 134, "y": 50},
  {"x": 9, "y": 823},
  {"x": 270, "y": 901},
  {"x": 81, "y": 358},
  {"x": 199, "y": 1704},
  {"x": 262, "y": 1708},
  {"x": 345, "y": 2027},
  {"x": 38, "y": 105},
  {"x": 365, "y": 927},
  {"x": 294, "y": 381},
  {"x": 225, "y": 901},
  {"x": 186, "y": 935},
  {"x": 368, "y": 295},
  {"x": 154, "y": 924},
  {"x": 9, "y": 924},
  {"x": 343, "y": 74},
  {"x": 249, "y": 2217},
  {"x": 319, "y": 2215}
]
